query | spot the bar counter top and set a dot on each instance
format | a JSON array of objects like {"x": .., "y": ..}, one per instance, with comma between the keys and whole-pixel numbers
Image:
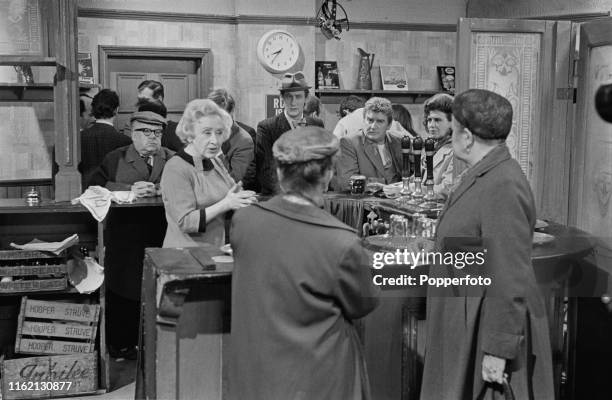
[{"x": 19, "y": 206}]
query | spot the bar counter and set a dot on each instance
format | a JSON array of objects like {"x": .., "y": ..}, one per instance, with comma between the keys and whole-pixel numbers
[{"x": 390, "y": 333}]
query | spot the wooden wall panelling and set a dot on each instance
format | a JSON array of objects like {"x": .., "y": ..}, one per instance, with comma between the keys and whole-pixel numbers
[
  {"x": 67, "y": 146},
  {"x": 556, "y": 140}
]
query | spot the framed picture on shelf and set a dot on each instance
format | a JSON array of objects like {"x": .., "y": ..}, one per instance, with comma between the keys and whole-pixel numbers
[
  {"x": 85, "y": 68},
  {"x": 326, "y": 75},
  {"x": 446, "y": 74},
  {"x": 393, "y": 77}
]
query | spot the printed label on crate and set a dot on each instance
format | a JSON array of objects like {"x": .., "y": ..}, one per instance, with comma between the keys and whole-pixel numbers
[
  {"x": 63, "y": 311},
  {"x": 44, "y": 377},
  {"x": 36, "y": 346},
  {"x": 58, "y": 330},
  {"x": 33, "y": 285},
  {"x": 35, "y": 270}
]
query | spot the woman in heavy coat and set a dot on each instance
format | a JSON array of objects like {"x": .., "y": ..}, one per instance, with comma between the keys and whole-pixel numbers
[
  {"x": 477, "y": 337},
  {"x": 300, "y": 278}
]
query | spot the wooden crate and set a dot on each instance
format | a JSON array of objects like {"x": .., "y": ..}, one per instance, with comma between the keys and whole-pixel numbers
[
  {"x": 49, "y": 376},
  {"x": 32, "y": 271},
  {"x": 42, "y": 323}
]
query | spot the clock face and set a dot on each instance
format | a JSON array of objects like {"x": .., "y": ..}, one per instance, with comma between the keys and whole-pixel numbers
[{"x": 278, "y": 51}]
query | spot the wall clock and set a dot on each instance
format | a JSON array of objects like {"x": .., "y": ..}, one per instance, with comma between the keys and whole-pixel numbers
[{"x": 278, "y": 51}]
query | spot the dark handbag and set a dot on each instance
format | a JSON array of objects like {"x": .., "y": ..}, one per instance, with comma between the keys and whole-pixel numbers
[
  {"x": 506, "y": 389},
  {"x": 508, "y": 393}
]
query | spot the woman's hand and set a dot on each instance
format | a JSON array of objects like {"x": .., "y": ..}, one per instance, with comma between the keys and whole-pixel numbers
[
  {"x": 493, "y": 368},
  {"x": 237, "y": 198}
]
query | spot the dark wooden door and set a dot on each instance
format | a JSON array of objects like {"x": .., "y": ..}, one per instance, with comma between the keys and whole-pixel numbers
[
  {"x": 179, "y": 88},
  {"x": 185, "y": 73}
]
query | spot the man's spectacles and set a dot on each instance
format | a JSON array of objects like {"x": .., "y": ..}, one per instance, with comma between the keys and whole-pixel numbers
[{"x": 147, "y": 132}]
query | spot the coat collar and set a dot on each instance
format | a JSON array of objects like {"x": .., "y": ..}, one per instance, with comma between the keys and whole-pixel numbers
[
  {"x": 303, "y": 213},
  {"x": 283, "y": 122},
  {"x": 138, "y": 163},
  {"x": 496, "y": 156},
  {"x": 207, "y": 165},
  {"x": 371, "y": 151}
]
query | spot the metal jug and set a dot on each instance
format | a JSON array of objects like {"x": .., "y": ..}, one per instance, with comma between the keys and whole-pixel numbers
[{"x": 364, "y": 80}]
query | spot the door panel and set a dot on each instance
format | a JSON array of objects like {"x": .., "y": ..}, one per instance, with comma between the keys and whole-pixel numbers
[
  {"x": 179, "y": 89},
  {"x": 125, "y": 84},
  {"x": 523, "y": 61}
]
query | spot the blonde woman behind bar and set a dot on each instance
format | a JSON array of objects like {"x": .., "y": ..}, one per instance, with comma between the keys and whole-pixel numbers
[{"x": 196, "y": 188}]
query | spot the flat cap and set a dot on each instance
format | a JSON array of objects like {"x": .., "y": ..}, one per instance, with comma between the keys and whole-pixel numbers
[
  {"x": 148, "y": 117},
  {"x": 305, "y": 144}
]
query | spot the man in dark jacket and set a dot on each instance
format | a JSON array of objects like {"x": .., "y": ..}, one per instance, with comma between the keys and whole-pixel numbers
[
  {"x": 138, "y": 168},
  {"x": 294, "y": 91},
  {"x": 100, "y": 138},
  {"x": 238, "y": 149}
]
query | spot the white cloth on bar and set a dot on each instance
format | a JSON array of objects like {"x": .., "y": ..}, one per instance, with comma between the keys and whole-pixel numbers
[{"x": 98, "y": 200}]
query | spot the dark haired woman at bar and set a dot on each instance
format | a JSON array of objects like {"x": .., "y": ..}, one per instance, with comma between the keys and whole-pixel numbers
[
  {"x": 300, "y": 278},
  {"x": 481, "y": 338},
  {"x": 437, "y": 122}
]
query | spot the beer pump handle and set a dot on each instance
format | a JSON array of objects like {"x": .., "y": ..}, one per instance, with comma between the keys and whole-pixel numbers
[
  {"x": 406, "y": 164},
  {"x": 417, "y": 147},
  {"x": 430, "y": 148}
]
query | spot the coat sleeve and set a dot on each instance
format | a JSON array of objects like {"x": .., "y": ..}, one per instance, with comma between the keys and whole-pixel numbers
[
  {"x": 266, "y": 170},
  {"x": 241, "y": 157},
  {"x": 106, "y": 173},
  {"x": 347, "y": 163},
  {"x": 340, "y": 130},
  {"x": 443, "y": 178},
  {"x": 507, "y": 228},
  {"x": 355, "y": 291},
  {"x": 179, "y": 199}
]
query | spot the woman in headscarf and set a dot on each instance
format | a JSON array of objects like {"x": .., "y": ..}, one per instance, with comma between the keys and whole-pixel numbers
[
  {"x": 196, "y": 188},
  {"x": 300, "y": 279},
  {"x": 481, "y": 337}
]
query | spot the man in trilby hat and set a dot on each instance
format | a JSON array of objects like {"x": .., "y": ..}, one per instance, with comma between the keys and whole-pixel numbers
[{"x": 294, "y": 91}]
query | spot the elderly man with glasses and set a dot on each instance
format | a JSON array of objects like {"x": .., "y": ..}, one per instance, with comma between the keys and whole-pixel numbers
[{"x": 138, "y": 168}]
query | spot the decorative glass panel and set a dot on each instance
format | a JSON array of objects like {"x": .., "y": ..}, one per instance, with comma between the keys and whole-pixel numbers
[
  {"x": 596, "y": 205},
  {"x": 20, "y": 27},
  {"x": 508, "y": 64}
]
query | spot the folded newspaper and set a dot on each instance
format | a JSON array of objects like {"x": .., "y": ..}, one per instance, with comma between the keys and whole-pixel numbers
[
  {"x": 54, "y": 247},
  {"x": 98, "y": 200}
]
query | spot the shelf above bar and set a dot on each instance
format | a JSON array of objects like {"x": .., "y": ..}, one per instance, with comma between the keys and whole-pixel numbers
[{"x": 27, "y": 60}]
